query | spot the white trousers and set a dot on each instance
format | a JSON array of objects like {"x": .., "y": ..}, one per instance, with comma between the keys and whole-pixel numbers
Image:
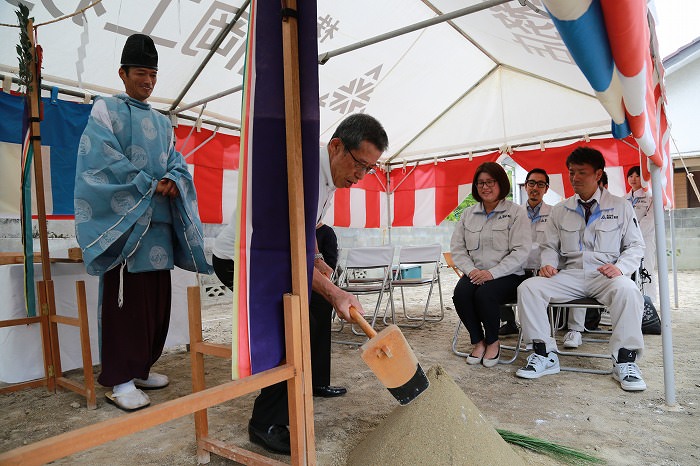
[
  {"x": 577, "y": 319},
  {"x": 620, "y": 295}
]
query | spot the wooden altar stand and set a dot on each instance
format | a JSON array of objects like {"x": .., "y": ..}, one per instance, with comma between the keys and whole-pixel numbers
[{"x": 48, "y": 320}]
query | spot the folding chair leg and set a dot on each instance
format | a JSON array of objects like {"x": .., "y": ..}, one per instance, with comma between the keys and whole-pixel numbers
[
  {"x": 374, "y": 315},
  {"x": 403, "y": 304},
  {"x": 516, "y": 349},
  {"x": 393, "y": 309},
  {"x": 334, "y": 315},
  {"x": 442, "y": 304},
  {"x": 424, "y": 318},
  {"x": 454, "y": 342},
  {"x": 555, "y": 325}
]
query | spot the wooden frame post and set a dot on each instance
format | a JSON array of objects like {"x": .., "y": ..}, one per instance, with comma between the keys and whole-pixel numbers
[
  {"x": 53, "y": 375},
  {"x": 301, "y": 426},
  {"x": 198, "y": 348},
  {"x": 296, "y": 370},
  {"x": 48, "y": 319}
]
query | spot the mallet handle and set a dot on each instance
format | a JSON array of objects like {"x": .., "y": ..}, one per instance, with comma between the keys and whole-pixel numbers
[{"x": 359, "y": 319}]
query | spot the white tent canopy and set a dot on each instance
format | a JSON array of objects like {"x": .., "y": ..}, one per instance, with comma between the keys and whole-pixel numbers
[{"x": 499, "y": 76}]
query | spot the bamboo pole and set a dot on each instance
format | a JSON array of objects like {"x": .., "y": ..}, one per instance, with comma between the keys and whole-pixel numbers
[
  {"x": 34, "y": 101},
  {"x": 48, "y": 307}
]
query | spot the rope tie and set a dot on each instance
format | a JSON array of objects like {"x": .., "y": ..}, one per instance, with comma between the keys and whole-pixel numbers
[{"x": 120, "y": 297}]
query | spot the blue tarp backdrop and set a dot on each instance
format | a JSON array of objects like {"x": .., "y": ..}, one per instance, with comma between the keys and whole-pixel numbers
[{"x": 63, "y": 123}]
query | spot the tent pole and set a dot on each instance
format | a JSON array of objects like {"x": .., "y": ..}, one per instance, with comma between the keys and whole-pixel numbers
[
  {"x": 214, "y": 47},
  {"x": 666, "y": 332},
  {"x": 324, "y": 57},
  {"x": 672, "y": 228},
  {"x": 392, "y": 163},
  {"x": 82, "y": 95},
  {"x": 388, "y": 202},
  {"x": 205, "y": 100}
]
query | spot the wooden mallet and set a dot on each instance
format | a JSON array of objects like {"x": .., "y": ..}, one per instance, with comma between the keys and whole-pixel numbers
[{"x": 392, "y": 360}]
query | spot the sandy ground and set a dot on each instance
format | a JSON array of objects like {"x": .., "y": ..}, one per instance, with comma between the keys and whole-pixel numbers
[{"x": 584, "y": 411}]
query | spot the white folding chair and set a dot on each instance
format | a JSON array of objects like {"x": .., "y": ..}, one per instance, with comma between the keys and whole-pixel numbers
[
  {"x": 420, "y": 257},
  {"x": 368, "y": 272},
  {"x": 555, "y": 311}
]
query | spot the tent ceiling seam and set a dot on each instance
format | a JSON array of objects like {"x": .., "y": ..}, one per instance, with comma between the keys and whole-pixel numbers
[
  {"x": 547, "y": 80},
  {"x": 441, "y": 114},
  {"x": 463, "y": 33},
  {"x": 485, "y": 5}
]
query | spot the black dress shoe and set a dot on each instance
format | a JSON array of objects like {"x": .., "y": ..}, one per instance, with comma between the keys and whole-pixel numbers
[
  {"x": 509, "y": 328},
  {"x": 275, "y": 438},
  {"x": 326, "y": 391}
]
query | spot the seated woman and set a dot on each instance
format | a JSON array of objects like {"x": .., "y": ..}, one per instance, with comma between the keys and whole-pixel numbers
[{"x": 490, "y": 244}]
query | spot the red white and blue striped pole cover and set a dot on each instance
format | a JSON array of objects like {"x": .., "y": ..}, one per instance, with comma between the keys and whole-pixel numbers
[
  {"x": 611, "y": 42},
  {"x": 262, "y": 262}
]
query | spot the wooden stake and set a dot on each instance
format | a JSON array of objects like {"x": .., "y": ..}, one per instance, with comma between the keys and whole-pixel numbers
[
  {"x": 201, "y": 423},
  {"x": 53, "y": 328},
  {"x": 42, "y": 296},
  {"x": 88, "y": 377}
]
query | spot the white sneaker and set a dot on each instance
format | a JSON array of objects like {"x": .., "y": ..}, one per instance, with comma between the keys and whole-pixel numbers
[
  {"x": 629, "y": 376},
  {"x": 153, "y": 381},
  {"x": 537, "y": 366},
  {"x": 572, "y": 339}
]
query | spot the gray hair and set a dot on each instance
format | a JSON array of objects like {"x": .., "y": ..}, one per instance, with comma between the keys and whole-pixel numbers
[{"x": 361, "y": 127}]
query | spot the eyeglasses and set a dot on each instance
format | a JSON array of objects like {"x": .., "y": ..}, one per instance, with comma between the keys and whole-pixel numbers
[
  {"x": 539, "y": 184},
  {"x": 489, "y": 183},
  {"x": 360, "y": 166}
]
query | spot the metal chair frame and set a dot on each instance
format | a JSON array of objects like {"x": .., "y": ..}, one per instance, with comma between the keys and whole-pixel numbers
[
  {"x": 368, "y": 258},
  {"x": 516, "y": 349},
  {"x": 557, "y": 322},
  {"x": 423, "y": 256}
]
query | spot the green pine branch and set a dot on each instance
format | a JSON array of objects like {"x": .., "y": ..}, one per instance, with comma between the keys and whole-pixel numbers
[
  {"x": 24, "y": 48},
  {"x": 560, "y": 452}
]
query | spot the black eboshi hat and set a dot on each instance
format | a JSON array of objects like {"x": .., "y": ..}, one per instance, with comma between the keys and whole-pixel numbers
[{"x": 139, "y": 50}]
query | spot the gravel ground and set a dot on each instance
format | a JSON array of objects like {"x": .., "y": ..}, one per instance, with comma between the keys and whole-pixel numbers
[{"x": 584, "y": 411}]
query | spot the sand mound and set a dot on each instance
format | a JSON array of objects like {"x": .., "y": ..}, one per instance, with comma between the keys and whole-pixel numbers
[{"x": 440, "y": 427}]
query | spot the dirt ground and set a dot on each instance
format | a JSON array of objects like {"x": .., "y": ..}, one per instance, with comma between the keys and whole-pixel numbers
[{"x": 583, "y": 411}]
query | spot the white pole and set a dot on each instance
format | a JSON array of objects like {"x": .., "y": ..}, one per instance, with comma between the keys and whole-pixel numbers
[
  {"x": 665, "y": 311},
  {"x": 388, "y": 202},
  {"x": 674, "y": 266}
]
